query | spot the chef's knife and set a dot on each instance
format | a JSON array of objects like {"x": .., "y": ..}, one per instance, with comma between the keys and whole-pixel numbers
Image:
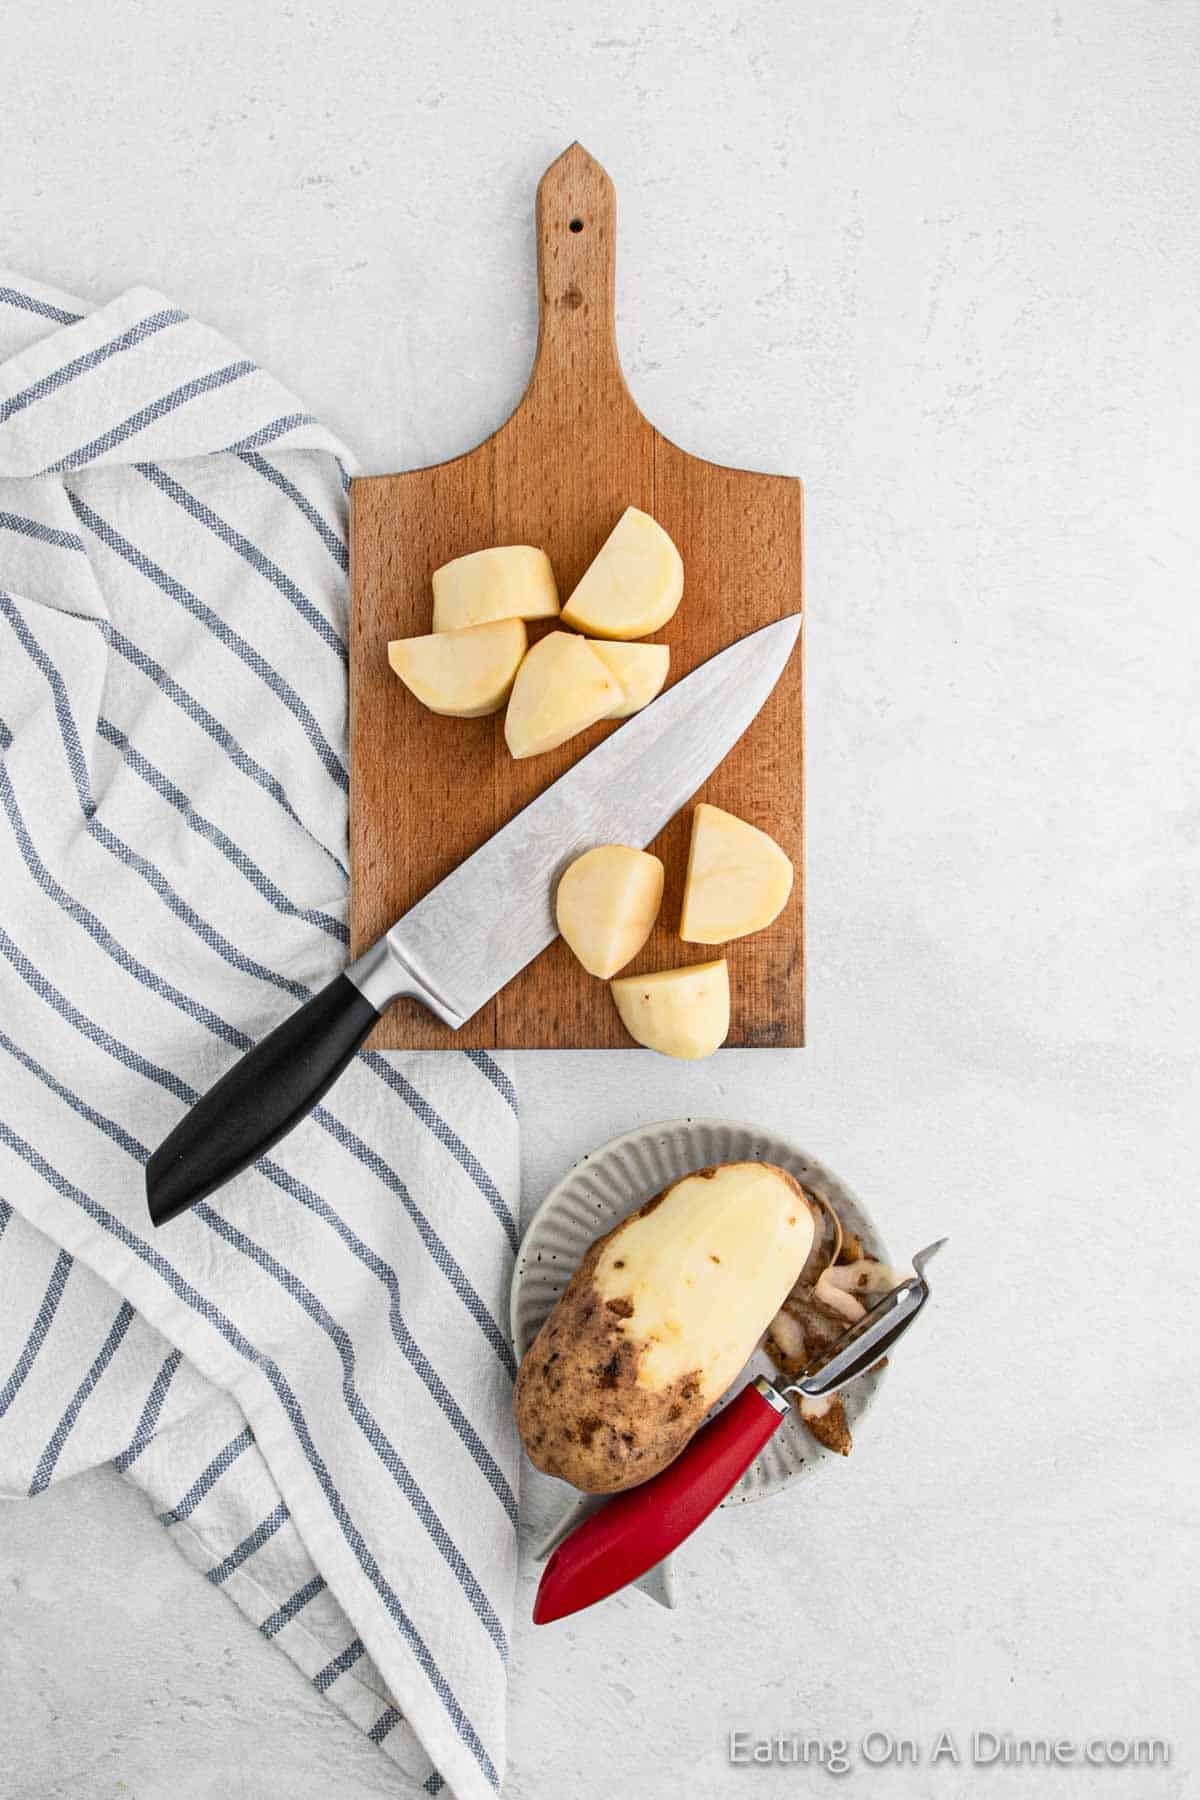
[{"x": 473, "y": 932}]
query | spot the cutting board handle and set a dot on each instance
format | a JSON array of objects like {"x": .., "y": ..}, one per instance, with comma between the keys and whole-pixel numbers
[{"x": 577, "y": 256}]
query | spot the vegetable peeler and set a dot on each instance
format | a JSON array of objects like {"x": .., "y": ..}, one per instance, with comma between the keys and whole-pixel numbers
[{"x": 626, "y": 1536}]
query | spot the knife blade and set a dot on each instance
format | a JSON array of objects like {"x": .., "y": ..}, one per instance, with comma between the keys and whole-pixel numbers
[
  {"x": 624, "y": 792},
  {"x": 475, "y": 930}
]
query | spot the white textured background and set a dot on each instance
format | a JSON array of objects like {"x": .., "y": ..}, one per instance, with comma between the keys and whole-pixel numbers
[{"x": 942, "y": 261}]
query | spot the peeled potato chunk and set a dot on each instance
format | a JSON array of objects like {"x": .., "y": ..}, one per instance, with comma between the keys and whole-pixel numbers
[
  {"x": 679, "y": 1012},
  {"x": 738, "y": 879},
  {"x": 562, "y": 687},
  {"x": 463, "y": 674},
  {"x": 641, "y": 670},
  {"x": 607, "y": 903},
  {"x": 632, "y": 586},
  {"x": 514, "y": 581}
]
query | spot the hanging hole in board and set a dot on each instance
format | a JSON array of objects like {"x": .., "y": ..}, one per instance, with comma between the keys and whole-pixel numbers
[{"x": 576, "y": 224}]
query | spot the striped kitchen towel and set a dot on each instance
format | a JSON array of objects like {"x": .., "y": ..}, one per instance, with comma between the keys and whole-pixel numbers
[{"x": 309, "y": 1376}]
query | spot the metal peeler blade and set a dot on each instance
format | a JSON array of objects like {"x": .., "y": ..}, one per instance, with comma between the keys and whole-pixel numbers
[{"x": 865, "y": 1343}]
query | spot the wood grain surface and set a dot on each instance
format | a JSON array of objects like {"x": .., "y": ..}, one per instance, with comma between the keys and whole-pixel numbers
[{"x": 426, "y": 791}]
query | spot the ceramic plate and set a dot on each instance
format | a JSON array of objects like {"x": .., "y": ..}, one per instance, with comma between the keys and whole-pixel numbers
[{"x": 612, "y": 1181}]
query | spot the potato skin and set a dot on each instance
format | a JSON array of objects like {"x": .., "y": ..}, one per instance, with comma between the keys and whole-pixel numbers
[{"x": 580, "y": 1411}]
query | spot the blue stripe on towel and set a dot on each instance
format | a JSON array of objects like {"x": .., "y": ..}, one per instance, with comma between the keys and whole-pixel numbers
[
  {"x": 147, "y": 1425},
  {"x": 204, "y": 1483},
  {"x": 434, "y": 1122},
  {"x": 388, "y": 1719},
  {"x": 490, "y": 1069},
  {"x": 76, "y": 760},
  {"x": 150, "y": 415},
  {"x": 333, "y": 540},
  {"x": 62, "y": 1431},
  {"x": 324, "y": 1679},
  {"x": 44, "y": 310},
  {"x": 43, "y": 1320},
  {"x": 43, "y": 534},
  {"x": 91, "y": 359},
  {"x": 254, "y": 1541},
  {"x": 267, "y": 434},
  {"x": 283, "y": 1615}
]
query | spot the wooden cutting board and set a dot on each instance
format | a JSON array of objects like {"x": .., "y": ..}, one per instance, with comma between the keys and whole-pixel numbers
[{"x": 427, "y": 791}]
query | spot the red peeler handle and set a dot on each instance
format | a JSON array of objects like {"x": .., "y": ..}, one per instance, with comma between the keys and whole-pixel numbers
[{"x": 636, "y": 1529}]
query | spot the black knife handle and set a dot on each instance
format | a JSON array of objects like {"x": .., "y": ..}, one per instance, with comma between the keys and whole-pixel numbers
[{"x": 259, "y": 1100}]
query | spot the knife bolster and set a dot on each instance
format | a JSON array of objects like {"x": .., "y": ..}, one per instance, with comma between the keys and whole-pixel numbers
[{"x": 381, "y": 975}]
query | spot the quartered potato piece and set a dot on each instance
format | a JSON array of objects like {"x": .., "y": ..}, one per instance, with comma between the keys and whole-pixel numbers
[
  {"x": 561, "y": 688},
  {"x": 514, "y": 581},
  {"x": 632, "y": 586},
  {"x": 679, "y": 1012},
  {"x": 641, "y": 670},
  {"x": 463, "y": 674},
  {"x": 738, "y": 879},
  {"x": 607, "y": 903}
]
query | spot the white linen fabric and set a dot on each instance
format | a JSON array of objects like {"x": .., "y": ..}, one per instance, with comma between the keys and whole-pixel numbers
[{"x": 310, "y": 1374}]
